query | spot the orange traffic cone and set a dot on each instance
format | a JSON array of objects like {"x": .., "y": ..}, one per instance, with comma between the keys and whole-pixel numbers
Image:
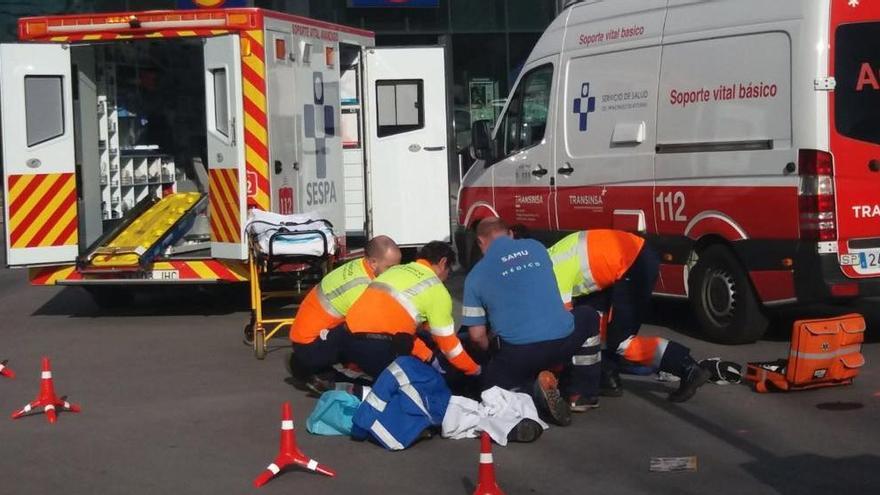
[
  {"x": 487, "y": 484},
  {"x": 5, "y": 371},
  {"x": 289, "y": 453},
  {"x": 47, "y": 399}
]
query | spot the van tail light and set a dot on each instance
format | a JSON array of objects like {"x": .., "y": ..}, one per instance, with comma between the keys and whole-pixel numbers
[{"x": 816, "y": 196}]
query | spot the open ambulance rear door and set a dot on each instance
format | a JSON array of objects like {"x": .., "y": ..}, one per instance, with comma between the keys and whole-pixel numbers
[
  {"x": 36, "y": 105},
  {"x": 227, "y": 184},
  {"x": 407, "y": 148}
]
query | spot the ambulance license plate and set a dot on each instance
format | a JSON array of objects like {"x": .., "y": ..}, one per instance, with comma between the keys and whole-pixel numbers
[
  {"x": 869, "y": 262},
  {"x": 162, "y": 275}
]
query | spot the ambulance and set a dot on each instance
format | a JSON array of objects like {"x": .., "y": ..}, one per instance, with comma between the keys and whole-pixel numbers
[
  {"x": 740, "y": 137},
  {"x": 184, "y": 121}
]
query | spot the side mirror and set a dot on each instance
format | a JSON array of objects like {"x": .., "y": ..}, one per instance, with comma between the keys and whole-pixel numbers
[{"x": 481, "y": 140}]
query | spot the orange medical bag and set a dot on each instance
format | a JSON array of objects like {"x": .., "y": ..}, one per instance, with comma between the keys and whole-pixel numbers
[{"x": 824, "y": 352}]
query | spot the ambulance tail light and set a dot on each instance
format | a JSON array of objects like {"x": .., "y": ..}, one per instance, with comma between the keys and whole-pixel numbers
[{"x": 816, "y": 196}]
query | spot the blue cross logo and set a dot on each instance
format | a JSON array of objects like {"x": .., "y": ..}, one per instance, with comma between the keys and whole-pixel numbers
[{"x": 584, "y": 105}]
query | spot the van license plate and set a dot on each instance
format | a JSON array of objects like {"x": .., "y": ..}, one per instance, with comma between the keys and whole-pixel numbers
[
  {"x": 162, "y": 275},
  {"x": 869, "y": 262}
]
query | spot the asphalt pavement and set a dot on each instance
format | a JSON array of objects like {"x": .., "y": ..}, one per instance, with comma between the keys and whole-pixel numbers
[{"x": 172, "y": 402}]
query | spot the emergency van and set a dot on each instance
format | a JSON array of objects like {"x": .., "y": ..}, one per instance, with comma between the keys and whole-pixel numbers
[
  {"x": 738, "y": 136},
  {"x": 186, "y": 120}
]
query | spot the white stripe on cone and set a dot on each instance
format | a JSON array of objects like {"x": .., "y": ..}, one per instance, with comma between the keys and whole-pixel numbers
[
  {"x": 274, "y": 468},
  {"x": 46, "y": 375},
  {"x": 27, "y": 408},
  {"x": 50, "y": 407},
  {"x": 312, "y": 465},
  {"x": 486, "y": 458},
  {"x": 287, "y": 424}
]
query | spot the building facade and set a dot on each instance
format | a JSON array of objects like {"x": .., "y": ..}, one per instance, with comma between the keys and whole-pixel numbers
[{"x": 487, "y": 40}]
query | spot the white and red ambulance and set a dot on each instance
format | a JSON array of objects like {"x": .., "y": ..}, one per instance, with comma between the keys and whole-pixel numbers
[
  {"x": 739, "y": 136},
  {"x": 252, "y": 109}
]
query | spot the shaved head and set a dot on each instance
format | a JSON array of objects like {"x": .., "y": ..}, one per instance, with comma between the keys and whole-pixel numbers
[
  {"x": 382, "y": 253},
  {"x": 490, "y": 229}
]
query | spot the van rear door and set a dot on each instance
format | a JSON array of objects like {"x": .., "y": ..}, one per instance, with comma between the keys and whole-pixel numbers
[
  {"x": 855, "y": 136},
  {"x": 227, "y": 185},
  {"x": 38, "y": 154},
  {"x": 407, "y": 147}
]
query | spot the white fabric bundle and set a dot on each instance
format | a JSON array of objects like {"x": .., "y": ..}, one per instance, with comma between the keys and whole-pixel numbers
[
  {"x": 264, "y": 224},
  {"x": 499, "y": 412}
]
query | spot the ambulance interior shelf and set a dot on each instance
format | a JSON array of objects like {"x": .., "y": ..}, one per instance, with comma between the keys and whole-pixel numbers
[{"x": 146, "y": 142}]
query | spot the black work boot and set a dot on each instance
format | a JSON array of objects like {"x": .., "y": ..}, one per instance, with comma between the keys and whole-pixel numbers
[
  {"x": 609, "y": 383},
  {"x": 694, "y": 377},
  {"x": 526, "y": 431}
]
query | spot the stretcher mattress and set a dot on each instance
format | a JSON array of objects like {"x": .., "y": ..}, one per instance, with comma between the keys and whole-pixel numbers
[{"x": 291, "y": 235}]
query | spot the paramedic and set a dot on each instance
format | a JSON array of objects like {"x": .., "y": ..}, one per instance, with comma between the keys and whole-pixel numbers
[
  {"x": 621, "y": 269},
  {"x": 383, "y": 322},
  {"x": 512, "y": 288},
  {"x": 318, "y": 329}
]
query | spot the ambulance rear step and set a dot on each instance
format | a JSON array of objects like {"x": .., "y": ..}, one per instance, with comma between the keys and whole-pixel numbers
[{"x": 143, "y": 234}]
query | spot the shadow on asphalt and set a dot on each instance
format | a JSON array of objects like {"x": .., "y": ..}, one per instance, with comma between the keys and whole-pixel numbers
[
  {"x": 793, "y": 475},
  {"x": 677, "y": 316},
  {"x": 166, "y": 301}
]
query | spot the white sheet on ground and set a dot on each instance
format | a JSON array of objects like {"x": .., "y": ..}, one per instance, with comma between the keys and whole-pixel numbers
[
  {"x": 497, "y": 414},
  {"x": 264, "y": 224}
]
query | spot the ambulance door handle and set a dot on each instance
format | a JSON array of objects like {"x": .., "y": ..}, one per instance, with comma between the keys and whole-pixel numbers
[
  {"x": 434, "y": 148},
  {"x": 566, "y": 170},
  {"x": 540, "y": 171}
]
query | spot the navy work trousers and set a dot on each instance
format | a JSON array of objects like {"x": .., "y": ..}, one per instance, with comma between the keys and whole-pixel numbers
[{"x": 515, "y": 367}]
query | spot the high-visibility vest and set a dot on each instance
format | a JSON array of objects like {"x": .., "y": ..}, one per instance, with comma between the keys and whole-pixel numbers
[
  {"x": 403, "y": 298},
  {"x": 326, "y": 305},
  {"x": 406, "y": 398},
  {"x": 592, "y": 260}
]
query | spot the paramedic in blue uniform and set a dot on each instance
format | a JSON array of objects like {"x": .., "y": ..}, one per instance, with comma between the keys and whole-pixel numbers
[{"x": 513, "y": 291}]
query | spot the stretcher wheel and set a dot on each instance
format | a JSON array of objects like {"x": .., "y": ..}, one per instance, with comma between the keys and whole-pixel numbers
[
  {"x": 249, "y": 334},
  {"x": 260, "y": 343}
]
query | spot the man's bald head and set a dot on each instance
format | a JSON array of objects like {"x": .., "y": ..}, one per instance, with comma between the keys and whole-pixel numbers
[
  {"x": 382, "y": 253},
  {"x": 490, "y": 229}
]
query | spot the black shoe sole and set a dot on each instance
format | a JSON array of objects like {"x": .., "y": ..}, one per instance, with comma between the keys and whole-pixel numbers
[
  {"x": 526, "y": 431},
  {"x": 553, "y": 404}
]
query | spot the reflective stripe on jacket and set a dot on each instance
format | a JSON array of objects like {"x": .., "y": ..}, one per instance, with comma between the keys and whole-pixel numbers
[
  {"x": 326, "y": 305},
  {"x": 592, "y": 260},
  {"x": 403, "y": 298},
  {"x": 407, "y": 397}
]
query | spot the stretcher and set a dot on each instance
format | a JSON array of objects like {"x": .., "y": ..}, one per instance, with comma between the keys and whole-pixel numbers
[
  {"x": 288, "y": 254},
  {"x": 144, "y": 233}
]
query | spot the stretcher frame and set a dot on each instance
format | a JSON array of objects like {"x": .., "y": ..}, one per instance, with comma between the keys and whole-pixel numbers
[{"x": 280, "y": 276}]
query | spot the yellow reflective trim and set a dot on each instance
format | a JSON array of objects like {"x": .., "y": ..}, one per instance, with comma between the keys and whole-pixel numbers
[
  {"x": 187, "y": 33},
  {"x": 30, "y": 202},
  {"x": 255, "y": 159},
  {"x": 60, "y": 275},
  {"x": 202, "y": 270},
  {"x": 52, "y": 207},
  {"x": 255, "y": 63},
  {"x": 92, "y": 37},
  {"x": 59, "y": 227},
  {"x": 254, "y": 95}
]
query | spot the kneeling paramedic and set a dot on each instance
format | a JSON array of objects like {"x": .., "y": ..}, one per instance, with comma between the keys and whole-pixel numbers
[
  {"x": 623, "y": 269},
  {"x": 513, "y": 289},
  {"x": 383, "y": 322},
  {"x": 318, "y": 330}
]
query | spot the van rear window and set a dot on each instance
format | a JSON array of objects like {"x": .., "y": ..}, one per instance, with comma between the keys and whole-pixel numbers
[{"x": 857, "y": 94}]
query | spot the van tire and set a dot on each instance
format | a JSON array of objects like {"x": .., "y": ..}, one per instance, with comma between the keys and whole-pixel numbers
[
  {"x": 469, "y": 251},
  {"x": 723, "y": 299}
]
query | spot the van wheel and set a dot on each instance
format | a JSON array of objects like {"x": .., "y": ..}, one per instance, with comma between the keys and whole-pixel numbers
[
  {"x": 470, "y": 252},
  {"x": 723, "y": 299}
]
